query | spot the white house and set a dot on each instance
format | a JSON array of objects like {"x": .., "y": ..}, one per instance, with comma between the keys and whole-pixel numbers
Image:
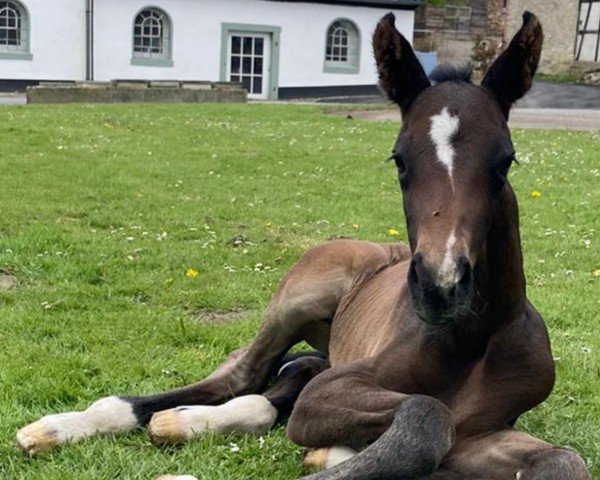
[{"x": 275, "y": 48}]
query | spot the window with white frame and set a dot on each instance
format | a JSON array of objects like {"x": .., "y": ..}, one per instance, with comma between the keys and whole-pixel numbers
[
  {"x": 14, "y": 24},
  {"x": 152, "y": 38},
  {"x": 342, "y": 47}
]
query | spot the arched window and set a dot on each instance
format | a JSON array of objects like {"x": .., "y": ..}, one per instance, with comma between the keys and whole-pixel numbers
[
  {"x": 152, "y": 33},
  {"x": 342, "y": 51},
  {"x": 14, "y": 26}
]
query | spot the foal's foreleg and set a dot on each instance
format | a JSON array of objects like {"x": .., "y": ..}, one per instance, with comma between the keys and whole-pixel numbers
[
  {"x": 405, "y": 435},
  {"x": 419, "y": 437}
]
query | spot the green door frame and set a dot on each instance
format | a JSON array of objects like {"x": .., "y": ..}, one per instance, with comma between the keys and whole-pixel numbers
[{"x": 275, "y": 32}]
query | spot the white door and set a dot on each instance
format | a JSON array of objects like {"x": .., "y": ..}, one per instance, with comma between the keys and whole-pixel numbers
[{"x": 248, "y": 62}]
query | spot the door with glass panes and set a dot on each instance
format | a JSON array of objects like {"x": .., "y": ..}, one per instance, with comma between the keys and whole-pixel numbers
[{"x": 248, "y": 62}]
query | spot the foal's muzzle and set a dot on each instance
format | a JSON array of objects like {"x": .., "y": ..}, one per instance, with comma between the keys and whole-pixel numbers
[{"x": 440, "y": 300}]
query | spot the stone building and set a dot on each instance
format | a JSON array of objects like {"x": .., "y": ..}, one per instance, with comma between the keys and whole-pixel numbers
[
  {"x": 571, "y": 28},
  {"x": 452, "y": 29}
]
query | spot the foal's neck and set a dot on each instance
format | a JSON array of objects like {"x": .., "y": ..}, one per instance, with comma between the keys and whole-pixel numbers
[
  {"x": 503, "y": 282},
  {"x": 500, "y": 280}
]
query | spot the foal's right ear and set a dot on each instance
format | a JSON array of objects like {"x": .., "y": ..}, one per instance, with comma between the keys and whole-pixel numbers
[{"x": 401, "y": 76}]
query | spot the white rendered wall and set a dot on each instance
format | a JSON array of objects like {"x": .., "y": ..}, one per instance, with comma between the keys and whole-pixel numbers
[
  {"x": 197, "y": 38},
  {"x": 57, "y": 42}
]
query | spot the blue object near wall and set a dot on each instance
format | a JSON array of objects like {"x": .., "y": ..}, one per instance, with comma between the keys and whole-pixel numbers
[{"x": 428, "y": 61}]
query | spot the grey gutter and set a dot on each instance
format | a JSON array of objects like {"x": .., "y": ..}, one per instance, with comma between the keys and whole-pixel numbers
[
  {"x": 393, "y": 4},
  {"x": 89, "y": 40}
]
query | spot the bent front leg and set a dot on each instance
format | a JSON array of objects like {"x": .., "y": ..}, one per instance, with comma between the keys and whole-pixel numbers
[
  {"x": 418, "y": 439},
  {"x": 411, "y": 434}
]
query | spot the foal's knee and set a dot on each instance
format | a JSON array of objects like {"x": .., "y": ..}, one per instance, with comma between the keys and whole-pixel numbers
[
  {"x": 555, "y": 464},
  {"x": 425, "y": 429}
]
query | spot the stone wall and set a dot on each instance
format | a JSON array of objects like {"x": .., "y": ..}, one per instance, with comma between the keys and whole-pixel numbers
[
  {"x": 137, "y": 92},
  {"x": 559, "y": 19},
  {"x": 497, "y": 15},
  {"x": 488, "y": 20}
]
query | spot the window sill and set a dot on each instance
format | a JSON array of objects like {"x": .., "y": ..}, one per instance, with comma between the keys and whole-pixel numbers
[
  {"x": 347, "y": 69},
  {"x": 15, "y": 55},
  {"x": 151, "y": 62}
]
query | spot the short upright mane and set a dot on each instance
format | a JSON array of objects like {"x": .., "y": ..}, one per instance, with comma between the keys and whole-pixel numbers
[{"x": 451, "y": 73}]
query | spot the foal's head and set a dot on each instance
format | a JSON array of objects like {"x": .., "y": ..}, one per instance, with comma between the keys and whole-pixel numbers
[{"x": 453, "y": 155}]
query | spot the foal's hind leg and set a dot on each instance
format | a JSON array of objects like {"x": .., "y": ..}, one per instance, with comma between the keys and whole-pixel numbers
[
  {"x": 516, "y": 455},
  {"x": 245, "y": 414},
  {"x": 306, "y": 299}
]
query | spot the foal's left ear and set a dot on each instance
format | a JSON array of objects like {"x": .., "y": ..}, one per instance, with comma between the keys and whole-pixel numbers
[
  {"x": 510, "y": 76},
  {"x": 401, "y": 76}
]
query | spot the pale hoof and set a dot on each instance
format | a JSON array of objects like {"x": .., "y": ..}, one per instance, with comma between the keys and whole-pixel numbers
[
  {"x": 37, "y": 437},
  {"x": 165, "y": 428},
  {"x": 324, "y": 458},
  {"x": 316, "y": 459}
]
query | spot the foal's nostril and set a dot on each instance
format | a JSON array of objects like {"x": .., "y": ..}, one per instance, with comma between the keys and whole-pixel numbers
[
  {"x": 451, "y": 294},
  {"x": 464, "y": 272},
  {"x": 414, "y": 272}
]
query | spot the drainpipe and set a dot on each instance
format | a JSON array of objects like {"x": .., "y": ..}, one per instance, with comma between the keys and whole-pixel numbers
[
  {"x": 505, "y": 20},
  {"x": 89, "y": 40}
]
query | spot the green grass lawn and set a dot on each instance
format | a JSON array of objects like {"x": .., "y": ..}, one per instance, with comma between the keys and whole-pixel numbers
[{"x": 104, "y": 208}]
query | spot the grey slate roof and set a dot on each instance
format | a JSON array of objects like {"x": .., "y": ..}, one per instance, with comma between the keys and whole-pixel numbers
[{"x": 392, "y": 4}]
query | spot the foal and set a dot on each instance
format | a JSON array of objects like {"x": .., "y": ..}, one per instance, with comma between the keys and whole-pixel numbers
[{"x": 432, "y": 352}]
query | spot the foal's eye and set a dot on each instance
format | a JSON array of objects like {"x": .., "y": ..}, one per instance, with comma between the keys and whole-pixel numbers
[
  {"x": 504, "y": 166},
  {"x": 400, "y": 166}
]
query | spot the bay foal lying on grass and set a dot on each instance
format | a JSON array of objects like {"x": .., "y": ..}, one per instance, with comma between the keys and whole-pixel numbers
[{"x": 430, "y": 353}]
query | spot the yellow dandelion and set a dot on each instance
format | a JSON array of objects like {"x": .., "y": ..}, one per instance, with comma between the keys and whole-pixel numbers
[
  {"x": 191, "y": 273},
  {"x": 597, "y": 273},
  {"x": 536, "y": 194},
  {"x": 356, "y": 226},
  {"x": 393, "y": 232}
]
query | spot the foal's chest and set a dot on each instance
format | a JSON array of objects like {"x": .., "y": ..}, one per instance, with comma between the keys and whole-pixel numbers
[{"x": 369, "y": 316}]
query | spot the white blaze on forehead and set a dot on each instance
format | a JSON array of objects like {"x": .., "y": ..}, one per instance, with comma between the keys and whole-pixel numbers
[
  {"x": 448, "y": 270},
  {"x": 443, "y": 127}
]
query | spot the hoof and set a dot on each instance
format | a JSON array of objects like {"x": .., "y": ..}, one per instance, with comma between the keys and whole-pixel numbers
[
  {"x": 316, "y": 459},
  {"x": 37, "y": 438},
  {"x": 165, "y": 428},
  {"x": 324, "y": 458}
]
